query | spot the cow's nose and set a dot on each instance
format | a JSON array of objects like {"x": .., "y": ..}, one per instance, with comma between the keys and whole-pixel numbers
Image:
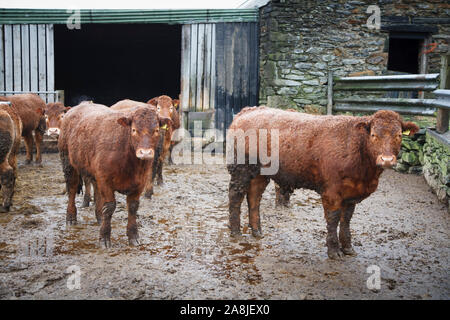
[
  {"x": 53, "y": 131},
  {"x": 387, "y": 161},
  {"x": 145, "y": 154}
]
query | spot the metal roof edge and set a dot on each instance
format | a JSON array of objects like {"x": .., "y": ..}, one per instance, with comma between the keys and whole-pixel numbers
[{"x": 61, "y": 16}]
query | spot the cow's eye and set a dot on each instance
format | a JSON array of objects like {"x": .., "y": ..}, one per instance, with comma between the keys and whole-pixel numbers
[
  {"x": 171, "y": 109},
  {"x": 133, "y": 131},
  {"x": 158, "y": 108}
]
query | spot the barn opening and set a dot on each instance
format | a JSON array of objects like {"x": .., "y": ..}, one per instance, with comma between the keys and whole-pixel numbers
[{"x": 110, "y": 62}]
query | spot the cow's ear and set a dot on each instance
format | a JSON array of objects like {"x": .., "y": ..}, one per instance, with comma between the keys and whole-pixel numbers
[
  {"x": 176, "y": 103},
  {"x": 40, "y": 111},
  {"x": 410, "y": 128},
  {"x": 67, "y": 109},
  {"x": 124, "y": 121},
  {"x": 153, "y": 101},
  {"x": 363, "y": 125}
]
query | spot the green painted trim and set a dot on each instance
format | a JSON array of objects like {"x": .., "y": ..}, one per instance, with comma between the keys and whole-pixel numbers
[{"x": 60, "y": 16}]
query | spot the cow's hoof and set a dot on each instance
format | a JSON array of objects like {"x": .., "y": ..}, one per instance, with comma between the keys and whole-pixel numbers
[
  {"x": 28, "y": 161},
  {"x": 133, "y": 242},
  {"x": 235, "y": 233},
  {"x": 257, "y": 234},
  {"x": 86, "y": 203},
  {"x": 105, "y": 243},
  {"x": 349, "y": 251},
  {"x": 148, "y": 194},
  {"x": 335, "y": 254},
  {"x": 4, "y": 209},
  {"x": 71, "y": 222}
]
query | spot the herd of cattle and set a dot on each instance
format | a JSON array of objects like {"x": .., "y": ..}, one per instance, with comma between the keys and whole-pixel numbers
[{"x": 122, "y": 149}]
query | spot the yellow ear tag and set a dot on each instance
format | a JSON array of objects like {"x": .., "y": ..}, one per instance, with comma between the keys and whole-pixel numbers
[
  {"x": 406, "y": 133},
  {"x": 164, "y": 127}
]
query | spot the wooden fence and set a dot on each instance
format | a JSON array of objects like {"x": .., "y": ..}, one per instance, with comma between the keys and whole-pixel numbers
[{"x": 414, "y": 82}]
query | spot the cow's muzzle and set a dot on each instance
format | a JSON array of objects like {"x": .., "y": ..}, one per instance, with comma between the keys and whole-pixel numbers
[
  {"x": 385, "y": 161},
  {"x": 53, "y": 132},
  {"x": 145, "y": 154}
]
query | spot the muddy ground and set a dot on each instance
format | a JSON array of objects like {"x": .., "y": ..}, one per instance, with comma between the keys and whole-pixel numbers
[{"x": 186, "y": 252}]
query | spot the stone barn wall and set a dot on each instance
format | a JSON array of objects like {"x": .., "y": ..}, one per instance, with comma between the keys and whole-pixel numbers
[{"x": 301, "y": 40}]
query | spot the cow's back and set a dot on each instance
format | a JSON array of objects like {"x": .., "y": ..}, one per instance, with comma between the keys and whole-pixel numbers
[{"x": 29, "y": 107}]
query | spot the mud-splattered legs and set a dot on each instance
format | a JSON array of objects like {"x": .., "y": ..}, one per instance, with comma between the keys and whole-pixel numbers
[
  {"x": 71, "y": 177},
  {"x": 254, "y": 195},
  {"x": 39, "y": 137},
  {"x": 344, "y": 230},
  {"x": 332, "y": 206},
  {"x": 241, "y": 175},
  {"x": 28, "y": 139},
  {"x": 132, "y": 229},
  {"x": 87, "y": 193},
  {"x": 159, "y": 176},
  {"x": 148, "y": 190},
  {"x": 282, "y": 196},
  {"x": 7, "y": 180},
  {"x": 107, "y": 203}
]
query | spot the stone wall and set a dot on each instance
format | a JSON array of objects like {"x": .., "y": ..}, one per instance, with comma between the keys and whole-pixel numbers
[
  {"x": 302, "y": 40},
  {"x": 436, "y": 165}
]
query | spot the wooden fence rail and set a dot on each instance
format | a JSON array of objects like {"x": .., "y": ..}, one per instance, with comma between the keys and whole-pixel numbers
[{"x": 413, "y": 82}]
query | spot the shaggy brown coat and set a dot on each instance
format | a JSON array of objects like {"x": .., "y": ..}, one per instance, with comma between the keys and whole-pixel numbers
[
  {"x": 114, "y": 149},
  {"x": 30, "y": 108},
  {"x": 340, "y": 157},
  {"x": 10, "y": 135}
]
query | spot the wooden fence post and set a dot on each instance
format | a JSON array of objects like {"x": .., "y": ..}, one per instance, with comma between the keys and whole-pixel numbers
[
  {"x": 443, "y": 114},
  {"x": 330, "y": 93}
]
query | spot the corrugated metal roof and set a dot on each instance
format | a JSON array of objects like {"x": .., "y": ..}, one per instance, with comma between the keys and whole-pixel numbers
[{"x": 58, "y": 16}]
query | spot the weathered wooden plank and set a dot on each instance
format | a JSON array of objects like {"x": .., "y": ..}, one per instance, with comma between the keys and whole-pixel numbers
[
  {"x": 245, "y": 68},
  {"x": 42, "y": 60},
  {"x": 193, "y": 68},
  {"x": 254, "y": 65},
  {"x": 220, "y": 78},
  {"x": 442, "y": 119},
  {"x": 212, "y": 99},
  {"x": 9, "y": 63},
  {"x": 17, "y": 58},
  {"x": 371, "y": 108},
  {"x": 185, "y": 66},
  {"x": 2, "y": 61},
  {"x": 207, "y": 68},
  {"x": 386, "y": 86},
  {"x": 229, "y": 43},
  {"x": 50, "y": 62},
  {"x": 200, "y": 66},
  {"x": 330, "y": 93},
  {"x": 34, "y": 65},
  {"x": 25, "y": 37}
]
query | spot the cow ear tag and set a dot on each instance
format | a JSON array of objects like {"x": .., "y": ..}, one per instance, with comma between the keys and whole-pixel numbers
[
  {"x": 164, "y": 127},
  {"x": 406, "y": 133}
]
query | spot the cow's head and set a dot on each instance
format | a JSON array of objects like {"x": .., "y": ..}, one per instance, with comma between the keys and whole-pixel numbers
[
  {"x": 383, "y": 134},
  {"x": 144, "y": 128},
  {"x": 54, "y": 113},
  {"x": 164, "y": 106}
]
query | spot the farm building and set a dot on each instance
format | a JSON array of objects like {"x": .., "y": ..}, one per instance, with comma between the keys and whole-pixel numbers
[
  {"x": 208, "y": 57},
  {"x": 268, "y": 52}
]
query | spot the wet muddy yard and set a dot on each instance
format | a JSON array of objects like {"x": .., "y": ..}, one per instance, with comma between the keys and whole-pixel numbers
[{"x": 186, "y": 251}]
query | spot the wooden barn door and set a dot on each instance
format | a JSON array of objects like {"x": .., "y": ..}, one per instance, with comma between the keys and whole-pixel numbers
[
  {"x": 237, "y": 70},
  {"x": 27, "y": 60},
  {"x": 219, "y": 72}
]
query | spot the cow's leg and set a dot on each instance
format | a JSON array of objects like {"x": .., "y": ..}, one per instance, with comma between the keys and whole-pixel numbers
[
  {"x": 159, "y": 176},
  {"x": 107, "y": 203},
  {"x": 170, "y": 154},
  {"x": 8, "y": 180},
  {"x": 98, "y": 208},
  {"x": 282, "y": 196},
  {"x": 333, "y": 208},
  {"x": 344, "y": 230},
  {"x": 39, "y": 137},
  {"x": 254, "y": 195},
  {"x": 71, "y": 177},
  {"x": 241, "y": 175},
  {"x": 148, "y": 190},
  {"x": 87, "y": 193},
  {"x": 28, "y": 139},
  {"x": 132, "y": 229}
]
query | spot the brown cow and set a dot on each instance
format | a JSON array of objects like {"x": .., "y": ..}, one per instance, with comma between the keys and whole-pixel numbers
[
  {"x": 30, "y": 108},
  {"x": 114, "y": 149},
  {"x": 10, "y": 133},
  {"x": 340, "y": 157},
  {"x": 176, "y": 119},
  {"x": 54, "y": 113},
  {"x": 166, "y": 108}
]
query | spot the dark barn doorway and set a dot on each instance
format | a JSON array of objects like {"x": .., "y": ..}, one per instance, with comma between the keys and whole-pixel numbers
[{"x": 110, "y": 62}]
